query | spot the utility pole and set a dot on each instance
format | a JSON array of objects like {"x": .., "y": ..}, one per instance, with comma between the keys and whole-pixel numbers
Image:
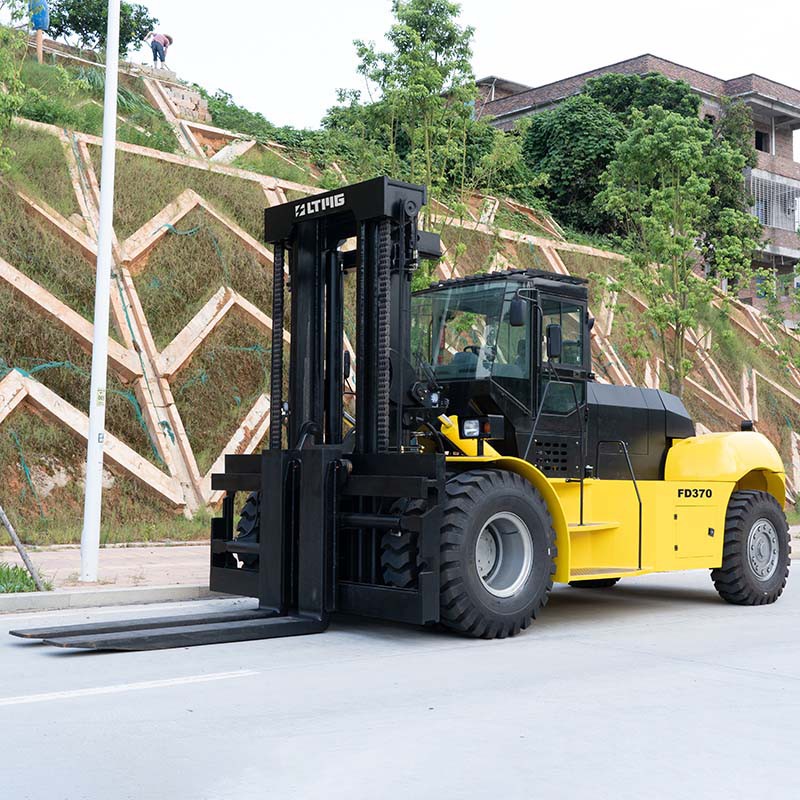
[{"x": 93, "y": 499}]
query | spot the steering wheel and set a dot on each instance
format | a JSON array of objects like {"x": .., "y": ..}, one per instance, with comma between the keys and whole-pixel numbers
[{"x": 473, "y": 348}]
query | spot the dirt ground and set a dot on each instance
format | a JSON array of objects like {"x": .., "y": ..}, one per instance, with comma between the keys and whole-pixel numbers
[{"x": 121, "y": 566}]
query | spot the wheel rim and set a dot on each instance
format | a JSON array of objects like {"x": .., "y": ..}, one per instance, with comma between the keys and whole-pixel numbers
[
  {"x": 763, "y": 549},
  {"x": 504, "y": 554}
]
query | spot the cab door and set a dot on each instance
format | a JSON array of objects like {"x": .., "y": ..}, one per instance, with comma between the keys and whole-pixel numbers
[{"x": 559, "y": 435}]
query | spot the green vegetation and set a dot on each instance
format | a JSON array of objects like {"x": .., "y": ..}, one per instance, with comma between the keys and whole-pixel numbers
[
  {"x": 659, "y": 188},
  {"x": 267, "y": 162},
  {"x": 87, "y": 20},
  {"x": 419, "y": 123},
  {"x": 17, "y": 579},
  {"x": 12, "y": 53},
  {"x": 40, "y": 169},
  {"x": 35, "y": 249},
  {"x": 72, "y": 98},
  {"x": 232, "y": 117},
  {"x": 216, "y": 390},
  {"x": 144, "y": 186},
  {"x": 188, "y": 266},
  {"x": 572, "y": 145},
  {"x": 621, "y": 94},
  {"x": 469, "y": 251},
  {"x": 55, "y": 359},
  {"x": 510, "y": 219},
  {"x": 46, "y": 502}
]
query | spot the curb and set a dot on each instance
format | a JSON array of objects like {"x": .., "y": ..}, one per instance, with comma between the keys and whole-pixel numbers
[{"x": 63, "y": 599}]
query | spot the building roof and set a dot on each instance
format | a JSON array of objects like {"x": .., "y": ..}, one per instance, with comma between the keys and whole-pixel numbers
[
  {"x": 503, "y": 83},
  {"x": 751, "y": 88}
]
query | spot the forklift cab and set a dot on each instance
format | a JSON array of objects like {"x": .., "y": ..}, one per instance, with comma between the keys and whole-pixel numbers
[{"x": 515, "y": 344}]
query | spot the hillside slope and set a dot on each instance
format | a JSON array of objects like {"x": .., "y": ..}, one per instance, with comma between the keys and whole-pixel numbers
[{"x": 189, "y": 366}]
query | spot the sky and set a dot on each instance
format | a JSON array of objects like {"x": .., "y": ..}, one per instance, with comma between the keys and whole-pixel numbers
[{"x": 287, "y": 59}]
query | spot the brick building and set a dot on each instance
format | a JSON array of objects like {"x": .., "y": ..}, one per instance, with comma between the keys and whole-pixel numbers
[{"x": 775, "y": 108}]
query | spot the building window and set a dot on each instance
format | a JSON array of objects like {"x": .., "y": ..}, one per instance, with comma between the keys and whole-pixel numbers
[
  {"x": 710, "y": 119},
  {"x": 776, "y": 203},
  {"x": 762, "y": 141}
]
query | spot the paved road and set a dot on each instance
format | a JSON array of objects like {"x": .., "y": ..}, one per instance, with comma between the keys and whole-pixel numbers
[{"x": 653, "y": 689}]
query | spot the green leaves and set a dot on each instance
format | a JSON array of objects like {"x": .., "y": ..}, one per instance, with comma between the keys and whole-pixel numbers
[
  {"x": 12, "y": 93},
  {"x": 671, "y": 188},
  {"x": 621, "y": 94},
  {"x": 572, "y": 145},
  {"x": 88, "y": 20},
  {"x": 422, "y": 93}
]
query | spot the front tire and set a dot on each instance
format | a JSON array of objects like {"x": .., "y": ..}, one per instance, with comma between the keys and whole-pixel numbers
[
  {"x": 756, "y": 550},
  {"x": 497, "y": 554}
]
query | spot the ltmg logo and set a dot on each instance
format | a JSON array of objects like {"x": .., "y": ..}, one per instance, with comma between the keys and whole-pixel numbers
[{"x": 313, "y": 206}]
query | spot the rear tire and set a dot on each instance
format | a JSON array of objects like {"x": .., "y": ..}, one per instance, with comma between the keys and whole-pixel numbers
[
  {"x": 497, "y": 554},
  {"x": 399, "y": 550},
  {"x": 595, "y": 583},
  {"x": 756, "y": 550}
]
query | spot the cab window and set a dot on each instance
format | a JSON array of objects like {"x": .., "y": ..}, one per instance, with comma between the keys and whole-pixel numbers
[
  {"x": 569, "y": 316},
  {"x": 561, "y": 397},
  {"x": 511, "y": 367}
]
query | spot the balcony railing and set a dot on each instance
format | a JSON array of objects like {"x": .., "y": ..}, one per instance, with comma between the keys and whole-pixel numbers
[{"x": 776, "y": 203}]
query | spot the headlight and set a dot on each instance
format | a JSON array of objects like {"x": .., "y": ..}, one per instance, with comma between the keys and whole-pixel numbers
[
  {"x": 488, "y": 427},
  {"x": 471, "y": 428}
]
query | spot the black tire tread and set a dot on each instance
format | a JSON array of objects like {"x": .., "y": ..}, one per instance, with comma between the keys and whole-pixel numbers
[
  {"x": 456, "y": 609},
  {"x": 730, "y": 579}
]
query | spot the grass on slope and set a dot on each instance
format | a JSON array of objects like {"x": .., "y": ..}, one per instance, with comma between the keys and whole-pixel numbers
[
  {"x": 71, "y": 97},
  {"x": 39, "y": 168},
  {"x": 144, "y": 186},
  {"x": 39, "y": 347},
  {"x": 267, "y": 162},
  {"x": 510, "y": 219},
  {"x": 35, "y": 249},
  {"x": 187, "y": 267},
  {"x": 46, "y": 504},
  {"x": 470, "y": 251},
  {"x": 217, "y": 389}
]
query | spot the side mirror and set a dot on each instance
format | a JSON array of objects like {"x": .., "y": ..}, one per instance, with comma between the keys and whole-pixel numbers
[
  {"x": 516, "y": 313},
  {"x": 553, "y": 342},
  {"x": 346, "y": 366}
]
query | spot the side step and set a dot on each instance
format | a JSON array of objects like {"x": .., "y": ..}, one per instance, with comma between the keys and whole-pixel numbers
[
  {"x": 592, "y": 527},
  {"x": 160, "y": 633}
]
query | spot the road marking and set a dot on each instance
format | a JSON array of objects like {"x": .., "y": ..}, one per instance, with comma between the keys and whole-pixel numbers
[{"x": 125, "y": 687}]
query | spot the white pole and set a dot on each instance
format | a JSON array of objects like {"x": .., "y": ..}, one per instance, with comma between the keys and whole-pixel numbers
[{"x": 90, "y": 538}]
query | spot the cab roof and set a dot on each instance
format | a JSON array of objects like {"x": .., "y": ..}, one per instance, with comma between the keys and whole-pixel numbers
[{"x": 538, "y": 278}]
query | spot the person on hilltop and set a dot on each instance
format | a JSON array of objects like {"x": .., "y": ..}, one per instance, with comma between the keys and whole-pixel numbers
[{"x": 160, "y": 43}]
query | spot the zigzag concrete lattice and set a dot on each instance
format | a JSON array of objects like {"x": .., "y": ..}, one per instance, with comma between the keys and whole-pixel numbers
[{"x": 139, "y": 363}]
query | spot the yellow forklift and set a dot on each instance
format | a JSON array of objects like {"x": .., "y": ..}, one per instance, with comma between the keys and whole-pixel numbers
[{"x": 483, "y": 463}]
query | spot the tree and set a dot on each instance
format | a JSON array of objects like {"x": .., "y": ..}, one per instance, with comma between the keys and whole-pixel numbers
[
  {"x": 13, "y": 47},
  {"x": 425, "y": 91},
  {"x": 573, "y": 144},
  {"x": 733, "y": 127},
  {"x": 88, "y": 21},
  {"x": 620, "y": 94},
  {"x": 660, "y": 189}
]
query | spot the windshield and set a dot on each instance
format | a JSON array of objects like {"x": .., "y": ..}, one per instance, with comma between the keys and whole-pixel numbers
[{"x": 463, "y": 333}]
